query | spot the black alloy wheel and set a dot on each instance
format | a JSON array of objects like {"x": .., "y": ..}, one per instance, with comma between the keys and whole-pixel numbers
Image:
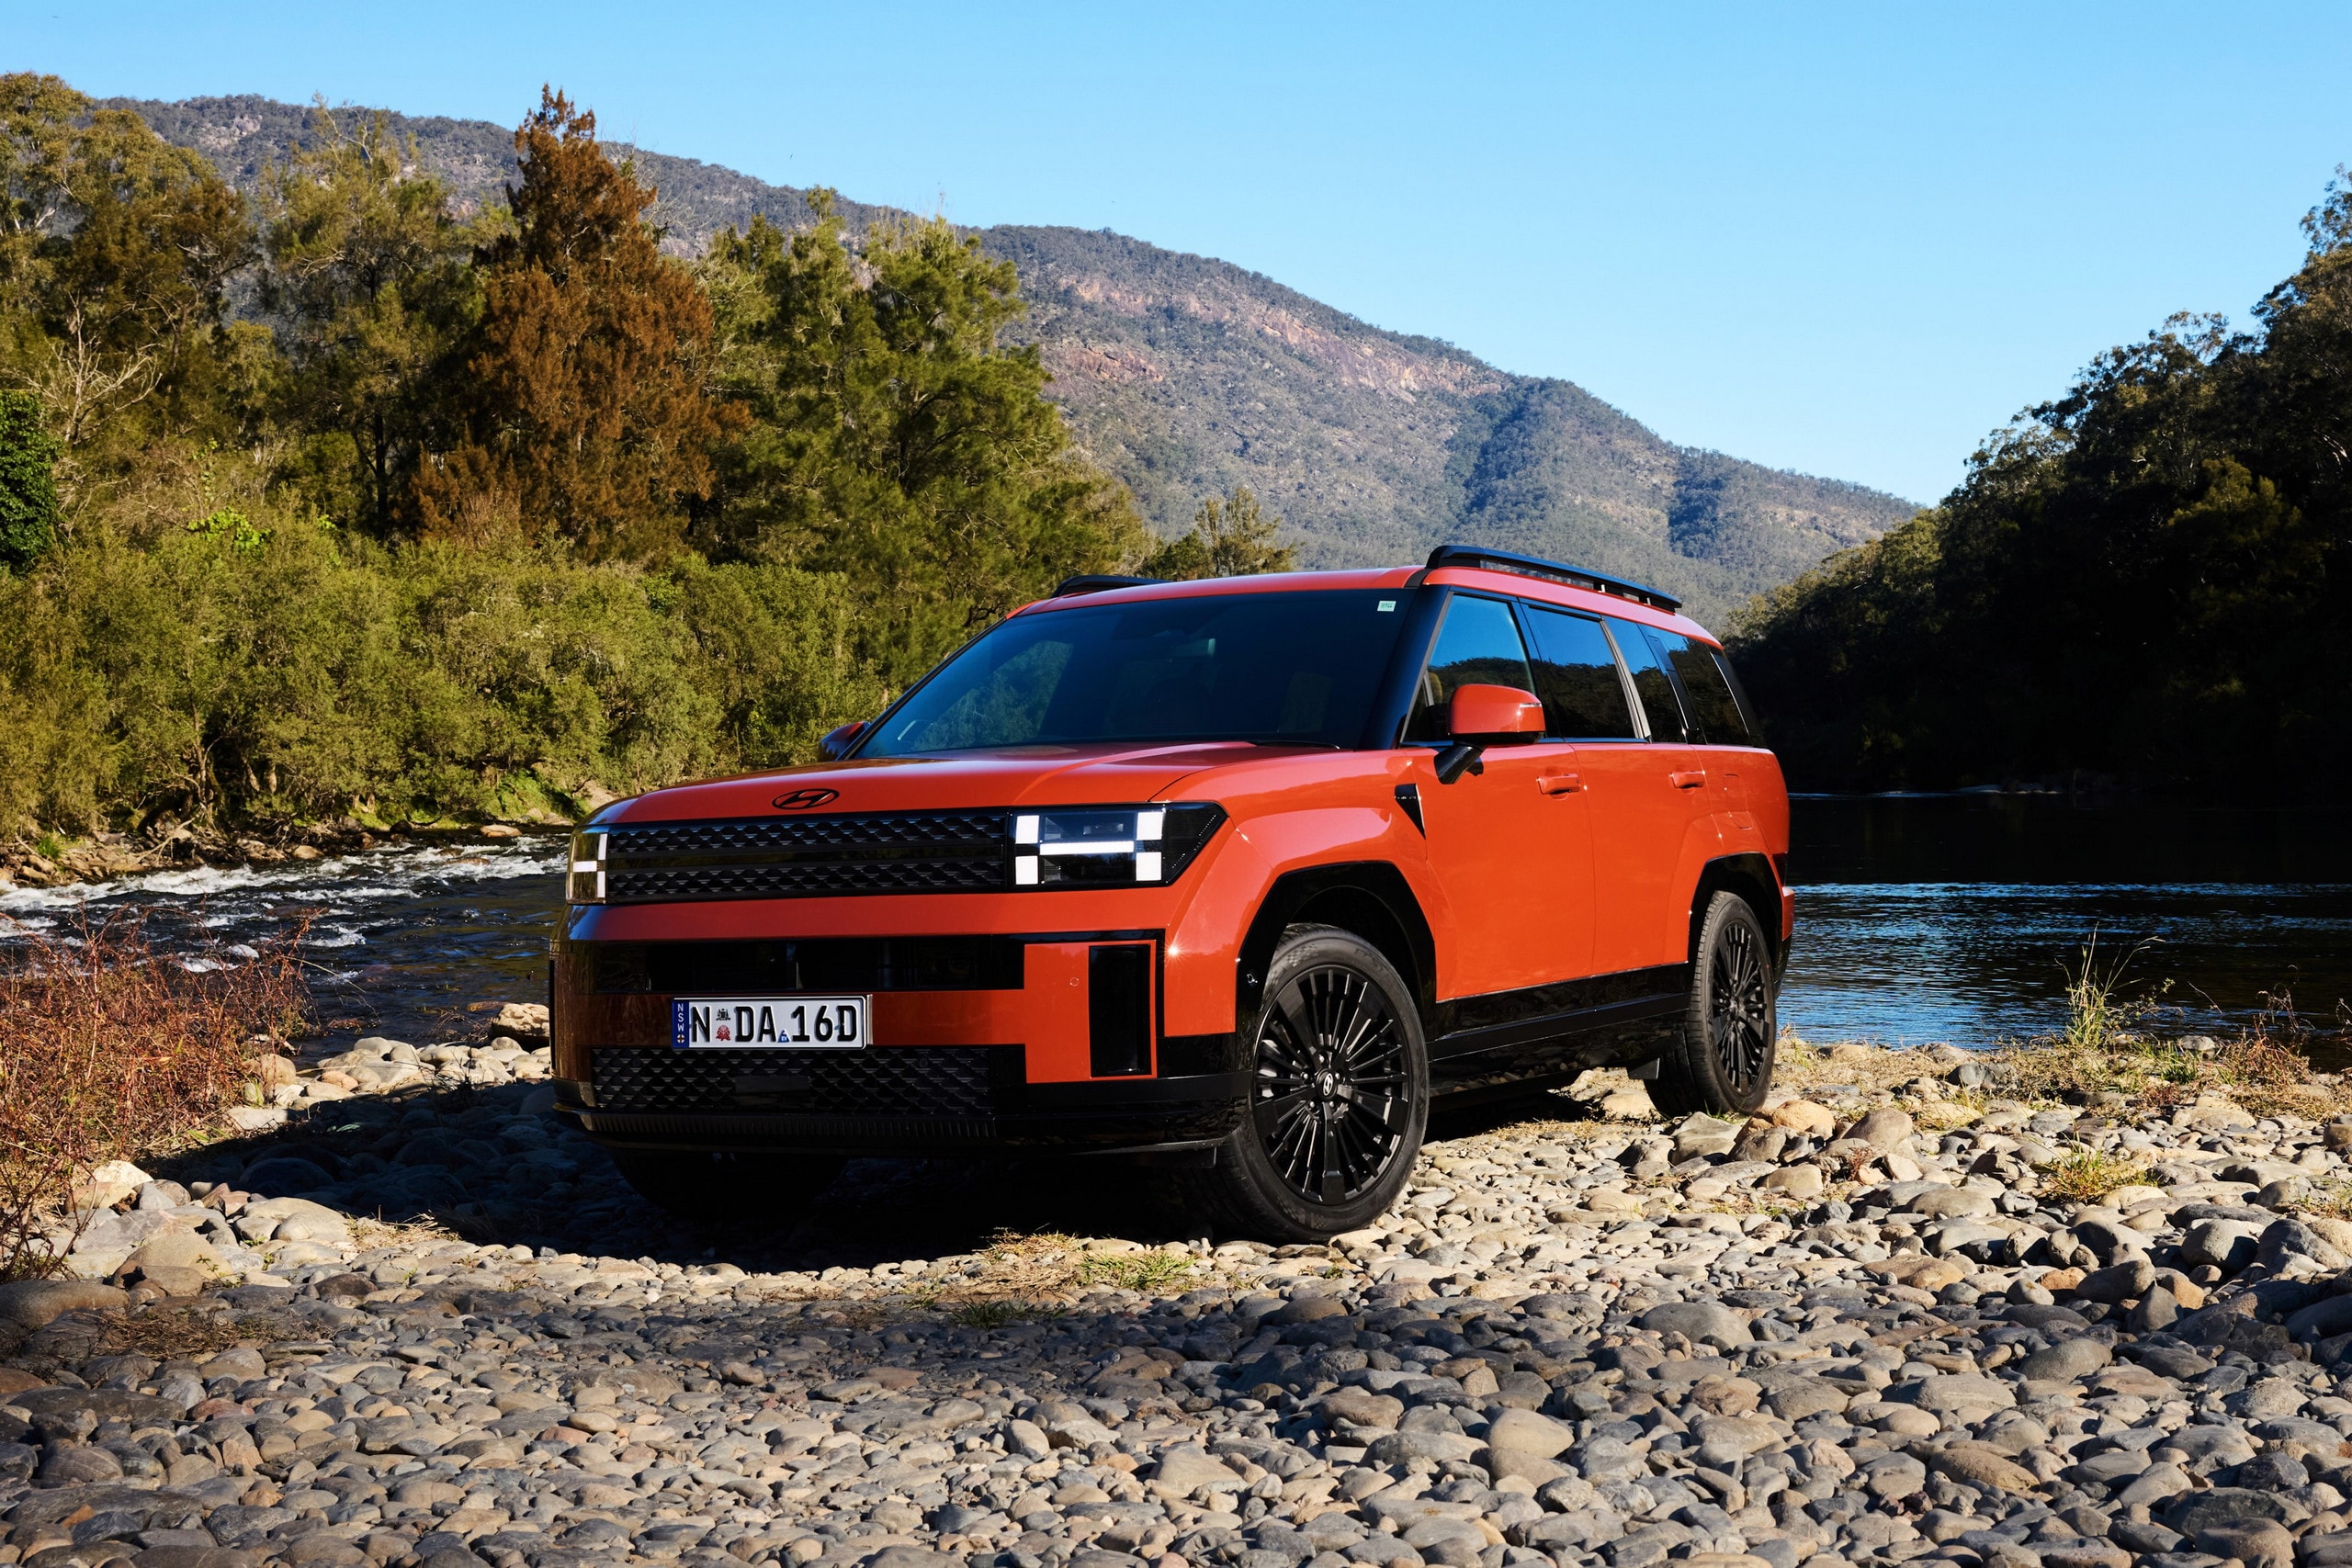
[
  {"x": 1328, "y": 1099},
  {"x": 1719, "y": 1055},
  {"x": 1338, "y": 1098},
  {"x": 1739, "y": 1013}
]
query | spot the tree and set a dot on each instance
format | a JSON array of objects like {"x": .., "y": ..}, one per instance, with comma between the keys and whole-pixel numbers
[
  {"x": 1230, "y": 538},
  {"x": 893, "y": 438},
  {"x": 367, "y": 287},
  {"x": 28, "y": 481},
  {"x": 116, "y": 250},
  {"x": 2145, "y": 578},
  {"x": 584, "y": 414}
]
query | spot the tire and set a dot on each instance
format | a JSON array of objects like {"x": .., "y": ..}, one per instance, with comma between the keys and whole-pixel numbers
[
  {"x": 1339, "y": 1098},
  {"x": 1720, "y": 1060},
  {"x": 724, "y": 1187}
]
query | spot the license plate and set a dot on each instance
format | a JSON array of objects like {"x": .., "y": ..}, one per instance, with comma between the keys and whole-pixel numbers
[{"x": 783, "y": 1023}]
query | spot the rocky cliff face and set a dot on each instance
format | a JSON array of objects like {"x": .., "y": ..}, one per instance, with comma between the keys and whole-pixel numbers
[{"x": 1186, "y": 376}]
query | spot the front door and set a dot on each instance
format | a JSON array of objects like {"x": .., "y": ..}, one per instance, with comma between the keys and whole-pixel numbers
[{"x": 1510, "y": 844}]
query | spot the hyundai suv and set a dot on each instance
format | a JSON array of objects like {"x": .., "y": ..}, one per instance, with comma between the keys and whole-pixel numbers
[{"x": 1237, "y": 876}]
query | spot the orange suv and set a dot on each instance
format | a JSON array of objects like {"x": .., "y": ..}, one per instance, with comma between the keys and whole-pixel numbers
[{"x": 1237, "y": 876}]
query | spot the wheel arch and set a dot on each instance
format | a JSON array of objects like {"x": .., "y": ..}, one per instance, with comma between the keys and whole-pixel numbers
[
  {"x": 1369, "y": 899},
  {"x": 1750, "y": 878}
]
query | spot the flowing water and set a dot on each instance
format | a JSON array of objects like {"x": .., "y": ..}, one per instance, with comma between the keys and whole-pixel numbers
[
  {"x": 1956, "y": 918},
  {"x": 1919, "y": 919}
]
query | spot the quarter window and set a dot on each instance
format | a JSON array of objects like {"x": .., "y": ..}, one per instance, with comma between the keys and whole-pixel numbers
[
  {"x": 1651, "y": 682},
  {"x": 1478, "y": 646},
  {"x": 1575, "y": 674},
  {"x": 1714, "y": 711}
]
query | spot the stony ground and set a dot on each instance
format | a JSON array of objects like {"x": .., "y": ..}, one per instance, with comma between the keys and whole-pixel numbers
[{"x": 412, "y": 1321}]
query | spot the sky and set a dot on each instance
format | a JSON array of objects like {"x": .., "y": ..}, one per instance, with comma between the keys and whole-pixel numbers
[{"x": 1850, "y": 241}]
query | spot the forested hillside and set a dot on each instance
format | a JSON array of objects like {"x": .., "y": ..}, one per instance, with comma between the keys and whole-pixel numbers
[
  {"x": 2146, "y": 578},
  {"x": 1184, "y": 377}
]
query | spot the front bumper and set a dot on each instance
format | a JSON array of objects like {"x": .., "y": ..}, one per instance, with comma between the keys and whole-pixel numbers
[{"x": 979, "y": 1044}]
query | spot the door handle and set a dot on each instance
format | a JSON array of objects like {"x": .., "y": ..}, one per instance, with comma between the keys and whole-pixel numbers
[
  {"x": 1696, "y": 778},
  {"x": 1559, "y": 783}
]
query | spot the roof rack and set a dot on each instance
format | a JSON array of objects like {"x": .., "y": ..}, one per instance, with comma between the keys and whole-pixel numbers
[
  {"x": 1097, "y": 583},
  {"x": 1484, "y": 560}
]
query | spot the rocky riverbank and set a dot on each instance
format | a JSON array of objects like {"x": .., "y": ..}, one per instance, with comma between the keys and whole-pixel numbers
[
  {"x": 167, "y": 845},
  {"x": 1908, "y": 1313}
]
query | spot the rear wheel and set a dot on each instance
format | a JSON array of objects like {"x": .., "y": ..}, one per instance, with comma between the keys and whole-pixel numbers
[
  {"x": 1338, "y": 1096},
  {"x": 726, "y": 1188},
  {"x": 1721, "y": 1058}
]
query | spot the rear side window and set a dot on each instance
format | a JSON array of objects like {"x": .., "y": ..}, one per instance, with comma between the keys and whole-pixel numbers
[
  {"x": 1715, "y": 713},
  {"x": 1646, "y": 665},
  {"x": 1478, "y": 646},
  {"x": 1575, "y": 674}
]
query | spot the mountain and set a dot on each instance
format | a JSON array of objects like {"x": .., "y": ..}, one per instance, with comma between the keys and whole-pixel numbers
[{"x": 1184, "y": 375}]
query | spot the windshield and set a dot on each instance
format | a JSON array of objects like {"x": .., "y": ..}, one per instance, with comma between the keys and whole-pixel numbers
[{"x": 1281, "y": 669}]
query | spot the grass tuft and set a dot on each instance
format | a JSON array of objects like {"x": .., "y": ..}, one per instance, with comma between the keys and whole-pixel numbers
[
  {"x": 2087, "y": 1175},
  {"x": 1145, "y": 1271}
]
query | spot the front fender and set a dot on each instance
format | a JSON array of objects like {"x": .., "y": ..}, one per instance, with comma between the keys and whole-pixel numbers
[{"x": 1205, "y": 946}]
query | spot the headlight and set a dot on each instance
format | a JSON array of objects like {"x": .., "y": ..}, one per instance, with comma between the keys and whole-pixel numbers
[
  {"x": 1109, "y": 846},
  {"x": 584, "y": 884}
]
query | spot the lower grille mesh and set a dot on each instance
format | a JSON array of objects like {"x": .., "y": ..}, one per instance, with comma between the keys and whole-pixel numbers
[{"x": 925, "y": 1081}]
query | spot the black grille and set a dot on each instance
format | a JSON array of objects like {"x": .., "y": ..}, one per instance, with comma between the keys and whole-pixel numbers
[
  {"x": 807, "y": 857},
  {"x": 913, "y": 1080}
]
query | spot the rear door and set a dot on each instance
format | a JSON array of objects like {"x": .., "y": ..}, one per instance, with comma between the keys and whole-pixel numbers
[
  {"x": 1509, "y": 844},
  {"x": 1644, "y": 795},
  {"x": 1719, "y": 721}
]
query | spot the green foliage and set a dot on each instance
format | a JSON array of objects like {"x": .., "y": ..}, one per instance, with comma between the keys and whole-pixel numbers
[
  {"x": 1230, "y": 538},
  {"x": 2145, "y": 578},
  {"x": 115, "y": 259},
  {"x": 892, "y": 438},
  {"x": 515, "y": 418},
  {"x": 28, "y": 481},
  {"x": 368, "y": 292},
  {"x": 292, "y": 675}
]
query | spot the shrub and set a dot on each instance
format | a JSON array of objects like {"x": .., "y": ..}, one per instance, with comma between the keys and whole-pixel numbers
[
  {"x": 110, "y": 1051},
  {"x": 291, "y": 676}
]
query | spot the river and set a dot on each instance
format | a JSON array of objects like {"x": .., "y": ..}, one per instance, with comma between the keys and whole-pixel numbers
[{"x": 1919, "y": 919}]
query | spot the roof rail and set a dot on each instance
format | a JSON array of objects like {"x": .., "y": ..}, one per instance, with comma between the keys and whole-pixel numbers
[
  {"x": 1484, "y": 560},
  {"x": 1097, "y": 583}
]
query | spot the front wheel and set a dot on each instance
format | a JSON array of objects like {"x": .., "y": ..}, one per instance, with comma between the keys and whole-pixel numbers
[
  {"x": 1338, "y": 1096},
  {"x": 1721, "y": 1058},
  {"x": 726, "y": 1188}
]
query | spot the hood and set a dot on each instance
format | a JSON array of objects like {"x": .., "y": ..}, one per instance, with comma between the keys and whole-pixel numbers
[{"x": 1106, "y": 774}]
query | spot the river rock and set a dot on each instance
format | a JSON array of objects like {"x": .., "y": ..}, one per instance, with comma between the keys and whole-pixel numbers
[
  {"x": 35, "y": 1304},
  {"x": 1885, "y": 1129},
  {"x": 1704, "y": 1322}
]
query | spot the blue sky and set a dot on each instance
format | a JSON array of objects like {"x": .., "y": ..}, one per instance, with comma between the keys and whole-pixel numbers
[{"x": 1848, "y": 240}]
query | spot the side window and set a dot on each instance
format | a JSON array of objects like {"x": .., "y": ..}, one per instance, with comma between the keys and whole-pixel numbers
[
  {"x": 1739, "y": 695},
  {"x": 1575, "y": 674},
  {"x": 1651, "y": 682},
  {"x": 1714, "y": 712},
  {"x": 1478, "y": 646}
]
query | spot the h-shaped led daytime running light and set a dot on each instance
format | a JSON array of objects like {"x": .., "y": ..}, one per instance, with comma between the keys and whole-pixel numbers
[{"x": 1105, "y": 846}]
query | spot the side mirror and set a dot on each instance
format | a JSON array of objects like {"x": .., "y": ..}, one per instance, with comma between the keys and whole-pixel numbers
[
  {"x": 1494, "y": 712},
  {"x": 837, "y": 742},
  {"x": 1480, "y": 716}
]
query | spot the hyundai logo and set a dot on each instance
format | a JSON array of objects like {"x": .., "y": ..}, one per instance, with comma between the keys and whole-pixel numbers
[{"x": 805, "y": 799}]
